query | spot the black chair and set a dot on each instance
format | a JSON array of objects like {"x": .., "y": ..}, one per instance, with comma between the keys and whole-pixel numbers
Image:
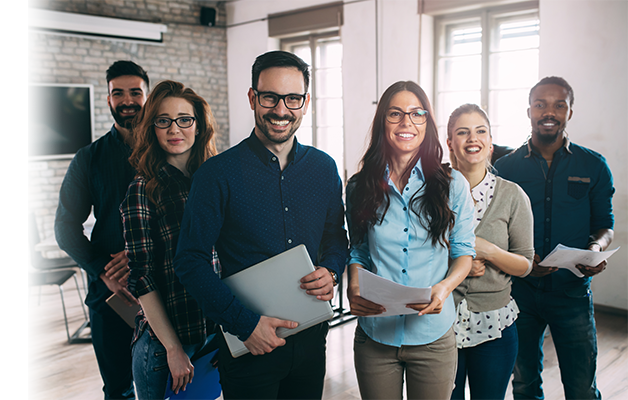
[
  {"x": 41, "y": 263},
  {"x": 56, "y": 271},
  {"x": 59, "y": 277}
]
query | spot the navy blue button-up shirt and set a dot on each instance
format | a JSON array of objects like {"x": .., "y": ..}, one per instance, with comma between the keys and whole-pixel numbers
[
  {"x": 570, "y": 200},
  {"x": 98, "y": 177},
  {"x": 244, "y": 204}
]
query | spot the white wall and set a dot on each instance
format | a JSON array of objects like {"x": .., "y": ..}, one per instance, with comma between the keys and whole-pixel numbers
[{"x": 585, "y": 42}]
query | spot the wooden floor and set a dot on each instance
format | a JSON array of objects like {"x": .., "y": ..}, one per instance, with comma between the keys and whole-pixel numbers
[{"x": 61, "y": 371}]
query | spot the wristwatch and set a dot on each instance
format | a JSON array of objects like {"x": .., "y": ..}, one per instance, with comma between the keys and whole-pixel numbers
[{"x": 334, "y": 276}]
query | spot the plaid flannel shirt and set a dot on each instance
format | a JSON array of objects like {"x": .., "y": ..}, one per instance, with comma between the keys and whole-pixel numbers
[{"x": 151, "y": 233}]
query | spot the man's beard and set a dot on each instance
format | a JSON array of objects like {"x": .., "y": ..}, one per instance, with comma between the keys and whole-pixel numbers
[
  {"x": 262, "y": 122},
  {"x": 547, "y": 139},
  {"x": 125, "y": 122}
]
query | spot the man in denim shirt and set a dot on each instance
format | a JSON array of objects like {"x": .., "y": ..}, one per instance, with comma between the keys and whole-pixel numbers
[{"x": 570, "y": 189}]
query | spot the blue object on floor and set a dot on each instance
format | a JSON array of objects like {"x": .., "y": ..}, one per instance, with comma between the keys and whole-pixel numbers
[{"x": 205, "y": 384}]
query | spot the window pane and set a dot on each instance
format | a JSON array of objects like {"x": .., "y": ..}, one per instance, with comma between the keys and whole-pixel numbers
[
  {"x": 460, "y": 73},
  {"x": 329, "y": 83},
  {"x": 304, "y": 133},
  {"x": 463, "y": 40},
  {"x": 510, "y": 124},
  {"x": 516, "y": 34},
  {"x": 331, "y": 140},
  {"x": 447, "y": 102},
  {"x": 518, "y": 69},
  {"x": 329, "y": 54},
  {"x": 329, "y": 113},
  {"x": 303, "y": 51}
]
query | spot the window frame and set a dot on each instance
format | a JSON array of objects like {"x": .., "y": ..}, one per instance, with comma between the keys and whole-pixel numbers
[{"x": 489, "y": 18}]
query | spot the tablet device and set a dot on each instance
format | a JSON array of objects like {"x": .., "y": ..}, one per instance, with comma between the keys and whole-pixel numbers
[{"x": 272, "y": 288}]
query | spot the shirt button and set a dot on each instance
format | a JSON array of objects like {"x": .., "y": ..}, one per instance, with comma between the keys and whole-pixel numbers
[
  {"x": 547, "y": 219},
  {"x": 282, "y": 178},
  {"x": 289, "y": 240},
  {"x": 407, "y": 189},
  {"x": 405, "y": 209},
  {"x": 549, "y": 181},
  {"x": 274, "y": 158},
  {"x": 546, "y": 240},
  {"x": 405, "y": 250},
  {"x": 405, "y": 229},
  {"x": 403, "y": 270},
  {"x": 286, "y": 208},
  {"x": 548, "y": 199}
]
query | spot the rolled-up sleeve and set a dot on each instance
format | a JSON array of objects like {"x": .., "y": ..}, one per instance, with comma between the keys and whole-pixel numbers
[{"x": 462, "y": 236}]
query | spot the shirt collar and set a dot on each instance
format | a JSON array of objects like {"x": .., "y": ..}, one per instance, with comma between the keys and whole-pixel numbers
[
  {"x": 533, "y": 149},
  {"x": 417, "y": 172},
  {"x": 118, "y": 136},
  {"x": 478, "y": 192},
  {"x": 265, "y": 155}
]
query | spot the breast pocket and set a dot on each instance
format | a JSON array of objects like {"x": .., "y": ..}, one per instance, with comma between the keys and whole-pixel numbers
[{"x": 577, "y": 189}]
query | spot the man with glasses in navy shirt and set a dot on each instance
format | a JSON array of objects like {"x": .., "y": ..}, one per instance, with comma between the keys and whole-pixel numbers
[
  {"x": 263, "y": 196},
  {"x": 571, "y": 189}
]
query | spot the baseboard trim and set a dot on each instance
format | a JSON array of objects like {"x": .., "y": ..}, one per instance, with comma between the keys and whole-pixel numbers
[{"x": 610, "y": 310}]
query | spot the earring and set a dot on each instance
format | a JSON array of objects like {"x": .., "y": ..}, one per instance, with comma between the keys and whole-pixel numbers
[{"x": 196, "y": 132}]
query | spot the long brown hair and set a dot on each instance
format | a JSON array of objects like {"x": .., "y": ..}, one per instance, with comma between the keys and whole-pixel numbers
[
  {"x": 371, "y": 190},
  {"x": 148, "y": 157}
]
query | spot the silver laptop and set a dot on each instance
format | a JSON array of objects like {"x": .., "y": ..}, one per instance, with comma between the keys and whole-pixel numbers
[{"x": 272, "y": 288}]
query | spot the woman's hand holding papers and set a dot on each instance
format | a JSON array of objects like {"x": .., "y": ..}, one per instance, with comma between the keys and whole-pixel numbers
[
  {"x": 264, "y": 338},
  {"x": 360, "y": 306}
]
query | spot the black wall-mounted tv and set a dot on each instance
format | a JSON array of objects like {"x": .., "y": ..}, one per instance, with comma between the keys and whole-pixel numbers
[{"x": 60, "y": 119}]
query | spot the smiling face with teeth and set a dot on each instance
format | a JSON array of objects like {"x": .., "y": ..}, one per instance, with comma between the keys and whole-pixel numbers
[
  {"x": 405, "y": 137},
  {"x": 275, "y": 126},
  {"x": 549, "y": 112},
  {"x": 470, "y": 141},
  {"x": 127, "y": 95}
]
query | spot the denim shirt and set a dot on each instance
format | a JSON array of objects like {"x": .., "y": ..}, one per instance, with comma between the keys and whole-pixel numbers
[
  {"x": 570, "y": 200},
  {"x": 399, "y": 249}
]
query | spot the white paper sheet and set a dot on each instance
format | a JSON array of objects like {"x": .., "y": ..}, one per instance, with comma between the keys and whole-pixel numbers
[
  {"x": 392, "y": 296},
  {"x": 568, "y": 257}
]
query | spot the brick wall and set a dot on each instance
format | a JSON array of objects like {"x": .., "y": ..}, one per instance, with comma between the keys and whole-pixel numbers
[{"x": 192, "y": 54}]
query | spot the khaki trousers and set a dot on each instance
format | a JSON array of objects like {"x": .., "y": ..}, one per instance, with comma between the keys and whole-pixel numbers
[{"x": 429, "y": 369}]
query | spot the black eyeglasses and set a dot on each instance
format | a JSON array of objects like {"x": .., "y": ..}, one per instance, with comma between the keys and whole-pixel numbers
[
  {"x": 182, "y": 122},
  {"x": 418, "y": 117},
  {"x": 270, "y": 100}
]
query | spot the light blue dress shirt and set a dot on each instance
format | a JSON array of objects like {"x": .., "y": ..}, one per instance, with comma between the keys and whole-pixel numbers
[{"x": 398, "y": 249}]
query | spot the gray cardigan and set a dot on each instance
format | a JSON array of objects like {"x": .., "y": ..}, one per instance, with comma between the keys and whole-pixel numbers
[{"x": 507, "y": 223}]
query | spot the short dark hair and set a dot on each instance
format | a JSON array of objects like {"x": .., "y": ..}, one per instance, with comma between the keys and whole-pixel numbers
[
  {"x": 279, "y": 58},
  {"x": 122, "y": 68},
  {"x": 553, "y": 80}
]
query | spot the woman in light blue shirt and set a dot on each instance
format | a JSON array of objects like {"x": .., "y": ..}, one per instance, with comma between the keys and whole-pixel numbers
[{"x": 411, "y": 221}]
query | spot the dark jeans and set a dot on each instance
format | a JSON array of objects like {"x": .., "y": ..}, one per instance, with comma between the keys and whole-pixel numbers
[
  {"x": 293, "y": 371},
  {"x": 111, "y": 338},
  {"x": 569, "y": 314},
  {"x": 488, "y": 365}
]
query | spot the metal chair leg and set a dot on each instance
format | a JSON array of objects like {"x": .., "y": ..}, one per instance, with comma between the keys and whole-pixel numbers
[
  {"x": 80, "y": 298},
  {"x": 65, "y": 316}
]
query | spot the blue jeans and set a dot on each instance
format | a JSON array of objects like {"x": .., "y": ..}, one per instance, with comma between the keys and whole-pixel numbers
[
  {"x": 488, "y": 365},
  {"x": 569, "y": 314},
  {"x": 150, "y": 366}
]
